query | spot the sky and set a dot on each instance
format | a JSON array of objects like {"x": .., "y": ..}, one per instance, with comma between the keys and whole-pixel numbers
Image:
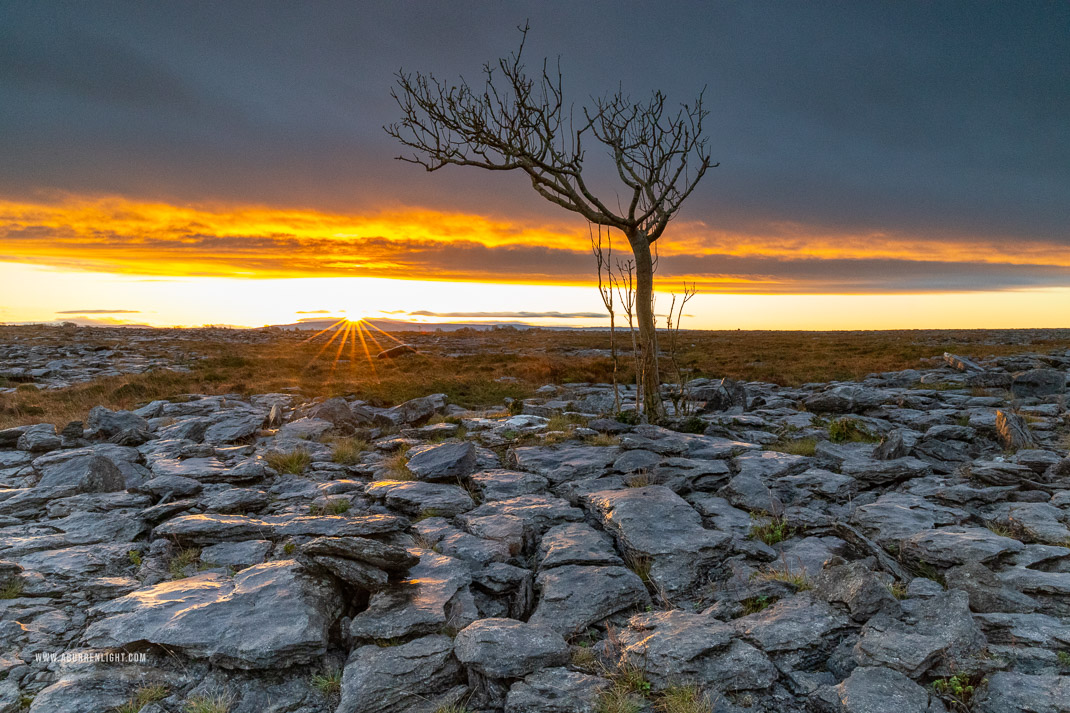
[{"x": 881, "y": 165}]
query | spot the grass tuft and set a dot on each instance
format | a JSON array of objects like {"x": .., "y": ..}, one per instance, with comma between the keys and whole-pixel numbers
[
  {"x": 293, "y": 463},
  {"x": 218, "y": 703},
  {"x": 328, "y": 683},
  {"x": 11, "y": 590},
  {"x": 142, "y": 697},
  {"x": 774, "y": 530},
  {"x": 683, "y": 699},
  {"x": 795, "y": 446},
  {"x": 185, "y": 557},
  {"x": 346, "y": 451},
  {"x": 602, "y": 440},
  {"x": 397, "y": 466},
  {"x": 846, "y": 429}
]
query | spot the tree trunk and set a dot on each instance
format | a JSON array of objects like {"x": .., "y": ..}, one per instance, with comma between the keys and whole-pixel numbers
[{"x": 644, "y": 311}]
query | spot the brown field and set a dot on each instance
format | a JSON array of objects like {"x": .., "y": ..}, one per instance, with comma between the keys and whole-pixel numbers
[{"x": 474, "y": 368}]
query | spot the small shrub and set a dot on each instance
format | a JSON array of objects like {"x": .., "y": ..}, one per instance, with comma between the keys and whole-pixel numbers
[
  {"x": 957, "y": 690},
  {"x": 289, "y": 548},
  {"x": 632, "y": 679},
  {"x": 584, "y": 658},
  {"x": 1063, "y": 658},
  {"x": 452, "y": 708},
  {"x": 693, "y": 424},
  {"x": 185, "y": 557},
  {"x": 328, "y": 683},
  {"x": 11, "y": 590},
  {"x": 292, "y": 463},
  {"x": 427, "y": 513},
  {"x": 639, "y": 480},
  {"x": 775, "y": 530},
  {"x": 135, "y": 557},
  {"x": 614, "y": 699},
  {"x": 847, "y": 429},
  {"x": 632, "y": 418},
  {"x": 219, "y": 703},
  {"x": 898, "y": 590}
]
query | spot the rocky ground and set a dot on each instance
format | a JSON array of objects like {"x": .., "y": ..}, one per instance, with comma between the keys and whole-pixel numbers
[{"x": 900, "y": 545}]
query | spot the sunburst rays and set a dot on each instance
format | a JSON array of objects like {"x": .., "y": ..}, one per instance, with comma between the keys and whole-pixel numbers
[{"x": 351, "y": 332}]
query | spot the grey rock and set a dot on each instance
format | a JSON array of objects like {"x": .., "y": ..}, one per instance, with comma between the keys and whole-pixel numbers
[
  {"x": 420, "y": 498},
  {"x": 680, "y": 648},
  {"x": 536, "y": 512},
  {"x": 389, "y": 558},
  {"x": 175, "y": 484},
  {"x": 986, "y": 591},
  {"x": 895, "y": 516},
  {"x": 948, "y": 546},
  {"x": 237, "y": 554},
  {"x": 506, "y": 648},
  {"x": 875, "y": 689},
  {"x": 1024, "y": 629},
  {"x": 938, "y": 639},
  {"x": 415, "y": 412},
  {"x": 1008, "y": 691},
  {"x": 799, "y": 622},
  {"x": 107, "y": 423},
  {"x": 305, "y": 429},
  {"x": 564, "y": 463},
  {"x": 1013, "y": 431},
  {"x": 416, "y": 677},
  {"x": 504, "y": 484},
  {"x": 40, "y": 438},
  {"x": 721, "y": 396},
  {"x": 574, "y": 597},
  {"x": 656, "y": 524},
  {"x": 556, "y": 690},
  {"x": 961, "y": 363},
  {"x": 89, "y": 691},
  {"x": 576, "y": 543},
  {"x": 446, "y": 461},
  {"x": 1038, "y": 382},
  {"x": 235, "y": 427},
  {"x": 271, "y": 615},
  {"x": 857, "y": 588},
  {"x": 434, "y": 595},
  {"x": 84, "y": 474}
]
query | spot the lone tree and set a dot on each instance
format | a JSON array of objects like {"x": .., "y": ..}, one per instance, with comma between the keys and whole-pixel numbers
[{"x": 519, "y": 123}]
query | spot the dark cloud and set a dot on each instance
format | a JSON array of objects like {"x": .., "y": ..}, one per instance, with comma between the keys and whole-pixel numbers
[
  {"x": 919, "y": 117},
  {"x": 100, "y": 311},
  {"x": 520, "y": 315}
]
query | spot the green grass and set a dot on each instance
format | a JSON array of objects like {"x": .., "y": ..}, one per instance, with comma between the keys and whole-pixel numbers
[
  {"x": 795, "y": 446},
  {"x": 289, "y": 548},
  {"x": 11, "y": 590},
  {"x": 328, "y": 683},
  {"x": 293, "y": 463},
  {"x": 753, "y": 605},
  {"x": 142, "y": 697},
  {"x": 1063, "y": 657},
  {"x": 135, "y": 557},
  {"x": 774, "y": 530},
  {"x": 958, "y": 690},
  {"x": 850, "y": 430}
]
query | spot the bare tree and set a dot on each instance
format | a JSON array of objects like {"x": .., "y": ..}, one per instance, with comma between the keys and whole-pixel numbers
[
  {"x": 517, "y": 122},
  {"x": 672, "y": 331},
  {"x": 626, "y": 291},
  {"x": 604, "y": 262}
]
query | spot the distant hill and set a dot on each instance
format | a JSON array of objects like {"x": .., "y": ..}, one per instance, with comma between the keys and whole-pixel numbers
[{"x": 398, "y": 325}]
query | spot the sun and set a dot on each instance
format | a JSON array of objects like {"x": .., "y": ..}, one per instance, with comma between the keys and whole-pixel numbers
[{"x": 349, "y": 331}]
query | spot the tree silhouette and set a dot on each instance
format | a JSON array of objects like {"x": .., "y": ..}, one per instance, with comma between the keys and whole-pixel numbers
[{"x": 520, "y": 123}]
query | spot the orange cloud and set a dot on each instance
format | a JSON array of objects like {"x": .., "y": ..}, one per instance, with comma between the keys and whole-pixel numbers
[{"x": 120, "y": 235}]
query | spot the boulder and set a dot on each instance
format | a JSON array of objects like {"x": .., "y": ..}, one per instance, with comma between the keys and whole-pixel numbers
[
  {"x": 420, "y": 676},
  {"x": 576, "y": 543},
  {"x": 1010, "y": 691},
  {"x": 573, "y": 597},
  {"x": 875, "y": 689},
  {"x": 83, "y": 474},
  {"x": 421, "y": 499},
  {"x": 446, "y": 461},
  {"x": 949, "y": 546},
  {"x": 556, "y": 690},
  {"x": 506, "y": 648},
  {"x": 655, "y": 525},
  {"x": 1039, "y": 382},
  {"x": 105, "y": 423},
  {"x": 272, "y": 615}
]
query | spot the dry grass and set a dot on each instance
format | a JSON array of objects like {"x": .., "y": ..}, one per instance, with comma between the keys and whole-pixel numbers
[
  {"x": 293, "y": 462},
  {"x": 183, "y": 559},
  {"x": 347, "y": 451},
  {"x": 798, "y": 579},
  {"x": 683, "y": 699},
  {"x": 142, "y": 697},
  {"x": 11, "y": 590},
  {"x": 218, "y": 703},
  {"x": 602, "y": 439},
  {"x": 795, "y": 446},
  {"x": 397, "y": 466},
  {"x": 469, "y": 366}
]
